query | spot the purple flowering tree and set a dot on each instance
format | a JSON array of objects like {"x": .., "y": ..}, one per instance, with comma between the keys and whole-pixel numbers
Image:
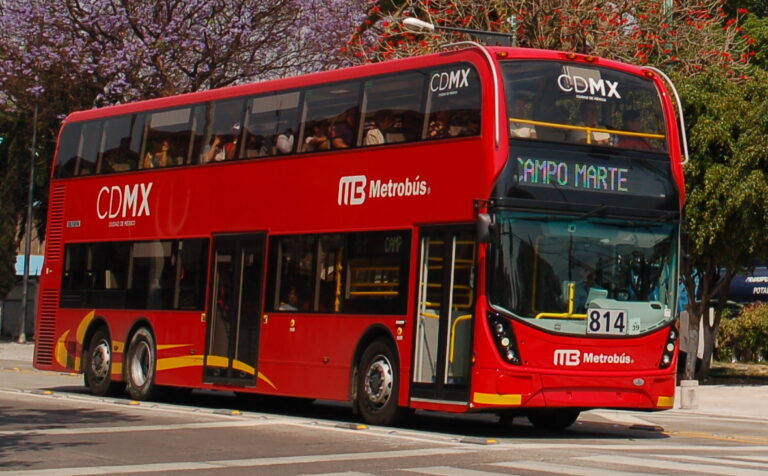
[{"x": 66, "y": 55}]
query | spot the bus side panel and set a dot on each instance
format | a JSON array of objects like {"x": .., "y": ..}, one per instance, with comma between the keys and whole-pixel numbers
[{"x": 309, "y": 355}]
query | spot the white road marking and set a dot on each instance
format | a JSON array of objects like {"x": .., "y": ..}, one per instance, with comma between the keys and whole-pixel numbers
[
  {"x": 564, "y": 469},
  {"x": 240, "y": 463},
  {"x": 449, "y": 471},
  {"x": 671, "y": 465}
]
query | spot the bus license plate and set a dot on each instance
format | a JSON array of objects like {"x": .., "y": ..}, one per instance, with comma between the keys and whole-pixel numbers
[{"x": 607, "y": 321}]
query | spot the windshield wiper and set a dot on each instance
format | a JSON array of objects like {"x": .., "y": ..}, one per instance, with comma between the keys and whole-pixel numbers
[{"x": 595, "y": 211}]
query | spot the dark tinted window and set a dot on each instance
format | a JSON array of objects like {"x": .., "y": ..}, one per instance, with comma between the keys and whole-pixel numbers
[
  {"x": 338, "y": 107},
  {"x": 135, "y": 275},
  {"x": 69, "y": 141},
  {"x": 393, "y": 109},
  {"x": 362, "y": 273},
  {"x": 224, "y": 124},
  {"x": 453, "y": 102},
  {"x": 120, "y": 144},
  {"x": 272, "y": 124},
  {"x": 167, "y": 138},
  {"x": 88, "y": 148},
  {"x": 565, "y": 102}
]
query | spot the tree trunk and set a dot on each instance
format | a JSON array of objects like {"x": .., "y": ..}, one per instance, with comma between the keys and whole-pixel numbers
[{"x": 694, "y": 319}]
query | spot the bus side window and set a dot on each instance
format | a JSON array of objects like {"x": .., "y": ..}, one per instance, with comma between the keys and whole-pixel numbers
[
  {"x": 117, "y": 152},
  {"x": 393, "y": 108},
  {"x": 271, "y": 123},
  {"x": 338, "y": 106},
  {"x": 223, "y": 131},
  {"x": 167, "y": 138},
  {"x": 453, "y": 102},
  {"x": 88, "y": 148},
  {"x": 66, "y": 162},
  {"x": 291, "y": 273}
]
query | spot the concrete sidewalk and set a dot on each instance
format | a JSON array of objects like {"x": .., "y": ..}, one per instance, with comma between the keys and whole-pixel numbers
[{"x": 744, "y": 401}]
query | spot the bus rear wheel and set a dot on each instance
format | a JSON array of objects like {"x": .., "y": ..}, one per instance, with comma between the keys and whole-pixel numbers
[
  {"x": 553, "y": 420},
  {"x": 140, "y": 365},
  {"x": 97, "y": 365},
  {"x": 378, "y": 381}
]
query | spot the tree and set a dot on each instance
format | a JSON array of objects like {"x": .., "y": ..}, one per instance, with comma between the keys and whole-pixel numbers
[
  {"x": 69, "y": 55},
  {"x": 725, "y": 214},
  {"x": 686, "y": 36}
]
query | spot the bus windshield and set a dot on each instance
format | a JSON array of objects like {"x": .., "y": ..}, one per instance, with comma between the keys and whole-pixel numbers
[
  {"x": 567, "y": 102},
  {"x": 584, "y": 275}
]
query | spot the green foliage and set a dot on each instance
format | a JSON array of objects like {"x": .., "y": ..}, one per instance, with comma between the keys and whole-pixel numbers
[
  {"x": 746, "y": 336},
  {"x": 757, "y": 28},
  {"x": 727, "y": 187}
]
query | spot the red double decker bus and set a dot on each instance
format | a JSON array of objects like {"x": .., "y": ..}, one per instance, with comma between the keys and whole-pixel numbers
[{"x": 489, "y": 229}]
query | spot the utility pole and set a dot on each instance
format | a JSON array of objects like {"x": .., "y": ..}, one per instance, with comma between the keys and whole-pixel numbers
[{"x": 28, "y": 232}]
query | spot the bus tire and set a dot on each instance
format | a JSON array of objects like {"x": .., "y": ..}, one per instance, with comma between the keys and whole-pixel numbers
[
  {"x": 97, "y": 365},
  {"x": 140, "y": 365},
  {"x": 378, "y": 382},
  {"x": 553, "y": 420}
]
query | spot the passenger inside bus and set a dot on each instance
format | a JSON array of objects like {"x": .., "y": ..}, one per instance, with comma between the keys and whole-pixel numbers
[
  {"x": 319, "y": 139},
  {"x": 633, "y": 123},
  {"x": 519, "y": 128},
  {"x": 589, "y": 116},
  {"x": 383, "y": 123},
  {"x": 161, "y": 158},
  {"x": 343, "y": 130},
  {"x": 284, "y": 142},
  {"x": 292, "y": 301},
  {"x": 584, "y": 284},
  {"x": 222, "y": 147},
  {"x": 441, "y": 125}
]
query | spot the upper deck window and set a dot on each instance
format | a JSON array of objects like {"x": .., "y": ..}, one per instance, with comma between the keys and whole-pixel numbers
[
  {"x": 271, "y": 124},
  {"x": 453, "y": 102},
  {"x": 563, "y": 102},
  {"x": 414, "y": 105},
  {"x": 167, "y": 138},
  {"x": 393, "y": 108}
]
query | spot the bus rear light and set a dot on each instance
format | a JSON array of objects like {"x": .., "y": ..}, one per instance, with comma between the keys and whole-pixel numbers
[
  {"x": 669, "y": 348},
  {"x": 504, "y": 338}
]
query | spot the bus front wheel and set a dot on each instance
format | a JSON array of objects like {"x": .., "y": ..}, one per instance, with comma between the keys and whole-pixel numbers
[
  {"x": 97, "y": 365},
  {"x": 140, "y": 365},
  {"x": 553, "y": 420},
  {"x": 378, "y": 381}
]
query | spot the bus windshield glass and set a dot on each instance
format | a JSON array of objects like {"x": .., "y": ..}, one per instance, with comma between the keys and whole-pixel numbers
[
  {"x": 584, "y": 276},
  {"x": 575, "y": 103}
]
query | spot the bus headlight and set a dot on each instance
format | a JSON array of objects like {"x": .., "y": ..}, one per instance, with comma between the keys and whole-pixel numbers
[
  {"x": 669, "y": 349},
  {"x": 504, "y": 338}
]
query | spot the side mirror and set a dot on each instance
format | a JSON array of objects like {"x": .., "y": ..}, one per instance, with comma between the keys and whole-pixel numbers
[{"x": 484, "y": 225}]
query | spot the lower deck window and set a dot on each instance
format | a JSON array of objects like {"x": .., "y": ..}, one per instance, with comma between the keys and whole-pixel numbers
[
  {"x": 363, "y": 273},
  {"x": 167, "y": 274}
]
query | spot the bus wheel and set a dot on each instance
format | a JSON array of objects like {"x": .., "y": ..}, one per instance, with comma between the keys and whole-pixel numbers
[
  {"x": 140, "y": 365},
  {"x": 377, "y": 385},
  {"x": 553, "y": 420},
  {"x": 97, "y": 365}
]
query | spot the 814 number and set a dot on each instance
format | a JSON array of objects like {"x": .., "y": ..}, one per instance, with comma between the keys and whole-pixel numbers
[{"x": 606, "y": 321}]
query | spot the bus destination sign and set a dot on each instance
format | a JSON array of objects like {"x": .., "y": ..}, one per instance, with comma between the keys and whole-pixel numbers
[{"x": 574, "y": 175}]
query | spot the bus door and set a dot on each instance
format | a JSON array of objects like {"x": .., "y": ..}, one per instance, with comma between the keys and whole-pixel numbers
[
  {"x": 445, "y": 315},
  {"x": 234, "y": 309}
]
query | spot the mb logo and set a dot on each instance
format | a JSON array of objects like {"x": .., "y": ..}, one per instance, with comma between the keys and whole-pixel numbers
[
  {"x": 352, "y": 190},
  {"x": 567, "y": 357}
]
